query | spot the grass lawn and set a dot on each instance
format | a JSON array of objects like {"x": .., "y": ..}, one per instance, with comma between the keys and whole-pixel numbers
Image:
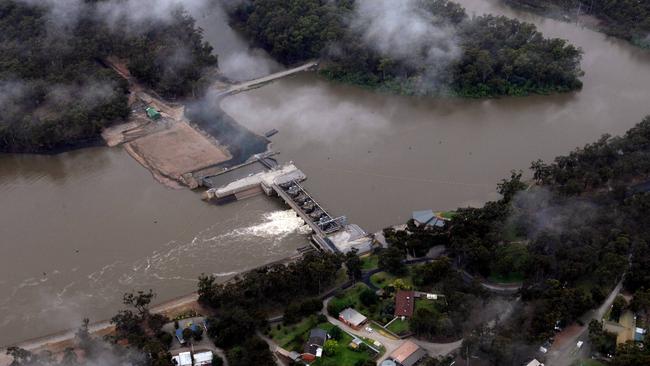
[
  {"x": 369, "y": 262},
  {"x": 511, "y": 278},
  {"x": 383, "y": 279},
  {"x": 399, "y": 326},
  {"x": 350, "y": 298},
  {"x": 447, "y": 214},
  {"x": 288, "y": 336},
  {"x": 344, "y": 356}
]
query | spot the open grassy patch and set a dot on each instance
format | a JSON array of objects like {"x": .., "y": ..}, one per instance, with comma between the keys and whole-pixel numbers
[
  {"x": 369, "y": 262},
  {"x": 384, "y": 279},
  {"x": 290, "y": 336},
  {"x": 399, "y": 326},
  {"x": 509, "y": 278},
  {"x": 378, "y": 310},
  {"x": 446, "y": 214},
  {"x": 344, "y": 355}
]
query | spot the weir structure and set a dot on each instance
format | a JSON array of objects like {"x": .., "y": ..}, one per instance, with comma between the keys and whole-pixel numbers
[{"x": 329, "y": 233}]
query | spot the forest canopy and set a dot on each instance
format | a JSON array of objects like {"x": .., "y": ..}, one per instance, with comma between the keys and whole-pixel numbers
[
  {"x": 413, "y": 47},
  {"x": 55, "y": 91},
  {"x": 627, "y": 19}
]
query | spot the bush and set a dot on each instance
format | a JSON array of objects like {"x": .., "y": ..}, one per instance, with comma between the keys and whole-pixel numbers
[
  {"x": 336, "y": 333},
  {"x": 166, "y": 338},
  {"x": 368, "y": 297},
  {"x": 198, "y": 334}
]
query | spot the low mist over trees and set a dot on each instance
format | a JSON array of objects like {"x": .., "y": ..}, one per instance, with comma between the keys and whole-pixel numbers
[
  {"x": 627, "y": 19},
  {"x": 413, "y": 47},
  {"x": 55, "y": 91}
]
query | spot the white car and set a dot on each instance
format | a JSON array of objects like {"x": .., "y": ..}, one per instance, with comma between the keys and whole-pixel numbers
[
  {"x": 579, "y": 344},
  {"x": 369, "y": 330}
]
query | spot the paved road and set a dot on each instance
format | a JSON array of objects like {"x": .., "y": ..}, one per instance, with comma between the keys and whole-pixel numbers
[
  {"x": 569, "y": 352},
  {"x": 391, "y": 344}
]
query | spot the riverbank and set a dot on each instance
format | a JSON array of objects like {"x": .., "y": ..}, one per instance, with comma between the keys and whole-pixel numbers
[{"x": 58, "y": 342}]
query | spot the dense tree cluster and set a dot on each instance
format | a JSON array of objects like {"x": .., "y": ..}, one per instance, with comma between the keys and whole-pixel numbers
[
  {"x": 498, "y": 56},
  {"x": 627, "y": 19},
  {"x": 243, "y": 305},
  {"x": 55, "y": 91},
  {"x": 609, "y": 163}
]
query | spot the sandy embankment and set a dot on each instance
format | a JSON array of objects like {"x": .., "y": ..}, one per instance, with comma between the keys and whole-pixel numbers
[
  {"x": 58, "y": 342},
  {"x": 170, "y": 148}
]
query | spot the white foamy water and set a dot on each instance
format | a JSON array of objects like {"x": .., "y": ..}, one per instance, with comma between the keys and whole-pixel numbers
[{"x": 276, "y": 225}]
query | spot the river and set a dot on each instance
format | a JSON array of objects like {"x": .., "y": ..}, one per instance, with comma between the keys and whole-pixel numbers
[
  {"x": 80, "y": 228},
  {"x": 376, "y": 158}
]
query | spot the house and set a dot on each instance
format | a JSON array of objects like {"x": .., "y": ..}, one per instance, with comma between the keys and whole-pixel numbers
[
  {"x": 179, "y": 332},
  {"x": 183, "y": 359},
  {"x": 428, "y": 218},
  {"x": 534, "y": 363},
  {"x": 404, "y": 303},
  {"x": 203, "y": 358},
  {"x": 314, "y": 345},
  {"x": 352, "y": 318},
  {"x": 408, "y": 354}
]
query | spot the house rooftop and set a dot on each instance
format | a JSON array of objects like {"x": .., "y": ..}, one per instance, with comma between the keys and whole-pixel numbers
[
  {"x": 404, "y": 303},
  {"x": 317, "y": 338},
  {"x": 352, "y": 316},
  {"x": 203, "y": 358},
  {"x": 408, "y": 354}
]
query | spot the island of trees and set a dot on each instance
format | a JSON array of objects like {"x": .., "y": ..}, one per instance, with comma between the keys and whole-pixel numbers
[
  {"x": 625, "y": 19},
  {"x": 495, "y": 55},
  {"x": 56, "y": 91}
]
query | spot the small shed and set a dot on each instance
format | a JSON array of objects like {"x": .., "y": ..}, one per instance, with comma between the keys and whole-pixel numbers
[
  {"x": 203, "y": 358},
  {"x": 183, "y": 359},
  {"x": 153, "y": 113}
]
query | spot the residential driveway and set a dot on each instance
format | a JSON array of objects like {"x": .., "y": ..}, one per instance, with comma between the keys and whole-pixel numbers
[
  {"x": 391, "y": 344},
  {"x": 565, "y": 354}
]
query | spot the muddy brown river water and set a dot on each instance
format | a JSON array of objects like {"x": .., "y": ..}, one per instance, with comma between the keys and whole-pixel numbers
[
  {"x": 376, "y": 158},
  {"x": 78, "y": 229}
]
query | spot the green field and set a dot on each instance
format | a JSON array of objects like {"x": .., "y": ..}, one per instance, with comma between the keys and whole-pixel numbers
[
  {"x": 369, "y": 262},
  {"x": 399, "y": 326},
  {"x": 288, "y": 337},
  {"x": 447, "y": 214},
  {"x": 510, "y": 278},
  {"x": 383, "y": 279}
]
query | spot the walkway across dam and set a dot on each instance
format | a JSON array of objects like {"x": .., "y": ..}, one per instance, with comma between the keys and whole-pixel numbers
[{"x": 252, "y": 84}]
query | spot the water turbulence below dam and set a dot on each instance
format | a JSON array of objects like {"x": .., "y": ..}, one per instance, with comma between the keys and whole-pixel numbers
[{"x": 81, "y": 228}]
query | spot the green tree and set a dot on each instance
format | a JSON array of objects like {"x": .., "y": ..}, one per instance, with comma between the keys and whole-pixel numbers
[{"x": 331, "y": 347}]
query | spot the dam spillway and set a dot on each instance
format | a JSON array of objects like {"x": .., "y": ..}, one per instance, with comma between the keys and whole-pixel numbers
[{"x": 329, "y": 233}]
